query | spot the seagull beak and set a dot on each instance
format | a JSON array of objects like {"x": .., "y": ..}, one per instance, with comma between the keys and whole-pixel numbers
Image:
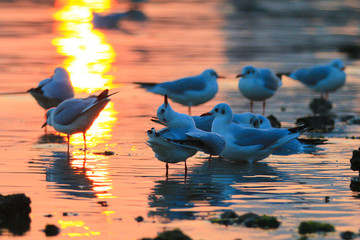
[
  {"x": 45, "y": 123},
  {"x": 343, "y": 68},
  {"x": 239, "y": 75},
  {"x": 221, "y": 77},
  {"x": 206, "y": 114}
]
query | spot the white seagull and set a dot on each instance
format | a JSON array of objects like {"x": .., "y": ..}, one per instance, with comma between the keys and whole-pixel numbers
[
  {"x": 248, "y": 144},
  {"x": 52, "y": 91},
  {"x": 182, "y": 131},
  {"x": 76, "y": 115},
  {"x": 258, "y": 84},
  {"x": 190, "y": 91},
  {"x": 322, "y": 78},
  {"x": 204, "y": 121}
]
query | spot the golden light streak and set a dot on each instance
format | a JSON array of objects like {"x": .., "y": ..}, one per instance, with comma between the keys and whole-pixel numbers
[{"x": 88, "y": 59}]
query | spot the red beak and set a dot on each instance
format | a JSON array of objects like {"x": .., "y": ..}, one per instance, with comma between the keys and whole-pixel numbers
[
  {"x": 343, "y": 68},
  {"x": 239, "y": 75},
  {"x": 206, "y": 114},
  {"x": 166, "y": 100}
]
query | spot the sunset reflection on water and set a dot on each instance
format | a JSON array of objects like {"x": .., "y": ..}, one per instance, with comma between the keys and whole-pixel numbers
[{"x": 88, "y": 59}]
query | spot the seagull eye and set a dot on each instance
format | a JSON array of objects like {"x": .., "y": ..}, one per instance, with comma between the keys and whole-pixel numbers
[
  {"x": 162, "y": 111},
  {"x": 261, "y": 121},
  {"x": 223, "y": 111},
  {"x": 216, "y": 110}
]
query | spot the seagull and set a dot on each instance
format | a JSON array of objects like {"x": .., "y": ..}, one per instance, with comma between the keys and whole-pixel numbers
[
  {"x": 322, "y": 78},
  {"x": 166, "y": 150},
  {"x": 248, "y": 144},
  {"x": 76, "y": 115},
  {"x": 109, "y": 21},
  {"x": 258, "y": 84},
  {"x": 190, "y": 91},
  {"x": 181, "y": 131},
  {"x": 52, "y": 91},
  {"x": 247, "y": 119}
]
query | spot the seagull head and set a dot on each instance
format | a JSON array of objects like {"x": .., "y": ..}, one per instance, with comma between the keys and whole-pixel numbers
[
  {"x": 48, "y": 117},
  {"x": 211, "y": 74},
  {"x": 172, "y": 118},
  {"x": 248, "y": 72},
  {"x": 337, "y": 63},
  {"x": 222, "y": 111},
  {"x": 264, "y": 122}
]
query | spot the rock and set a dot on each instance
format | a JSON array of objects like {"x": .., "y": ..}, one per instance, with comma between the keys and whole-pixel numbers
[
  {"x": 355, "y": 160},
  {"x": 250, "y": 220},
  {"x": 320, "y": 106},
  {"x": 175, "y": 234},
  {"x": 348, "y": 235},
  {"x": 105, "y": 153},
  {"x": 348, "y": 117},
  {"x": 228, "y": 214},
  {"x": 14, "y": 213},
  {"x": 103, "y": 203},
  {"x": 66, "y": 214},
  {"x": 139, "y": 219},
  {"x": 351, "y": 50},
  {"x": 314, "y": 227},
  {"x": 355, "y": 184},
  {"x": 327, "y": 199},
  {"x": 317, "y": 123},
  {"x": 274, "y": 121},
  {"x": 51, "y": 230}
]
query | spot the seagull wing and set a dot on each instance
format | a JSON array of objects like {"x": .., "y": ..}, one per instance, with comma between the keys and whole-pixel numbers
[
  {"x": 70, "y": 109},
  {"x": 180, "y": 86},
  {"x": 311, "y": 76},
  {"x": 271, "y": 81}
]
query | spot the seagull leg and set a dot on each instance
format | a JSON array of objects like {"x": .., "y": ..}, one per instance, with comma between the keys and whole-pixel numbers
[
  {"x": 84, "y": 135},
  {"x": 327, "y": 96},
  {"x": 167, "y": 170},
  {"x": 189, "y": 109},
  {"x": 185, "y": 169},
  {"x": 68, "y": 146},
  {"x": 251, "y": 106},
  {"x": 264, "y": 104},
  {"x": 210, "y": 158}
]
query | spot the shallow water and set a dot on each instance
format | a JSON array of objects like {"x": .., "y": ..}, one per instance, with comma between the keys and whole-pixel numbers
[{"x": 178, "y": 39}]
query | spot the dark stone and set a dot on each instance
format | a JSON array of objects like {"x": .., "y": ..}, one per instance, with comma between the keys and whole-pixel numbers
[
  {"x": 66, "y": 214},
  {"x": 351, "y": 50},
  {"x": 48, "y": 215},
  {"x": 14, "y": 213},
  {"x": 314, "y": 227},
  {"x": 103, "y": 203},
  {"x": 355, "y": 160},
  {"x": 274, "y": 121},
  {"x": 320, "y": 106},
  {"x": 317, "y": 123},
  {"x": 348, "y": 235},
  {"x": 228, "y": 214},
  {"x": 139, "y": 219},
  {"x": 264, "y": 222},
  {"x": 175, "y": 234},
  {"x": 312, "y": 141},
  {"x": 355, "y": 184},
  {"x": 327, "y": 199},
  {"x": 105, "y": 153},
  {"x": 51, "y": 230}
]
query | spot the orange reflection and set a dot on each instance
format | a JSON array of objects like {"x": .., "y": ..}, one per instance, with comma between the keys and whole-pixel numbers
[
  {"x": 88, "y": 61},
  {"x": 89, "y": 56}
]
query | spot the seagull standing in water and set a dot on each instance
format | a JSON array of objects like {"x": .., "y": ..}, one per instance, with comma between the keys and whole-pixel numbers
[
  {"x": 258, "y": 84},
  {"x": 76, "y": 115},
  {"x": 190, "y": 91},
  {"x": 181, "y": 133},
  {"x": 248, "y": 144},
  {"x": 52, "y": 91},
  {"x": 322, "y": 78}
]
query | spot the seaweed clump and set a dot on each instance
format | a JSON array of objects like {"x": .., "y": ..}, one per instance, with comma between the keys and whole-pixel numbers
[
  {"x": 250, "y": 220},
  {"x": 314, "y": 227}
]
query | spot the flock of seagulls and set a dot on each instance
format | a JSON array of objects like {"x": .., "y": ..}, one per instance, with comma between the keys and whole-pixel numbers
[{"x": 239, "y": 137}]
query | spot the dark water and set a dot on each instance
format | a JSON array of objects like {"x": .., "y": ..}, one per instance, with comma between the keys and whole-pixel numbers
[{"x": 178, "y": 39}]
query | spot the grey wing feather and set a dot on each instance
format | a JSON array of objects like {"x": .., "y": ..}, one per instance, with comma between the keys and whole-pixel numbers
[
  {"x": 180, "y": 86},
  {"x": 253, "y": 136},
  {"x": 311, "y": 76},
  {"x": 70, "y": 109},
  {"x": 272, "y": 82}
]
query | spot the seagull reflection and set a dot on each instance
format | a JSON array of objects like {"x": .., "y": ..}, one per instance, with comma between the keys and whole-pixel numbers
[
  {"x": 68, "y": 179},
  {"x": 212, "y": 184},
  {"x": 51, "y": 138}
]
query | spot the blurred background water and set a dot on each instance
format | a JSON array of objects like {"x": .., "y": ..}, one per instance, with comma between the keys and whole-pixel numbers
[{"x": 166, "y": 40}]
